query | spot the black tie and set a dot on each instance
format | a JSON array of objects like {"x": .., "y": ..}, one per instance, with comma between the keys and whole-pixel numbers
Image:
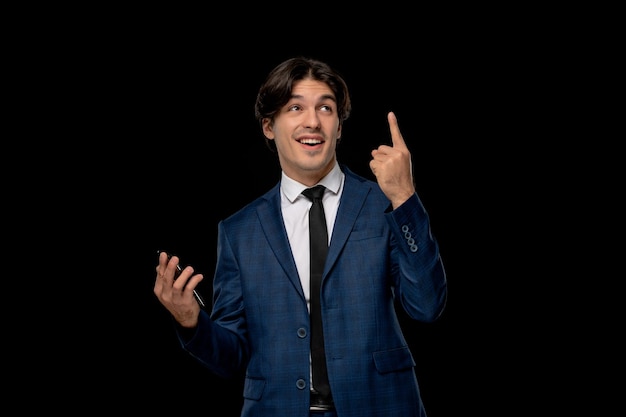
[{"x": 318, "y": 235}]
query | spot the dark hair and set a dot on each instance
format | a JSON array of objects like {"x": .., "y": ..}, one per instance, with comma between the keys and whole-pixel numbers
[{"x": 276, "y": 91}]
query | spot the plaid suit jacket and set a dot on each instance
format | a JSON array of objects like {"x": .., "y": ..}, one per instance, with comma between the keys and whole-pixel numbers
[{"x": 259, "y": 322}]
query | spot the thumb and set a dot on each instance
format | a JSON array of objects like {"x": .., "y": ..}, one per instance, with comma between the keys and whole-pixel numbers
[{"x": 396, "y": 137}]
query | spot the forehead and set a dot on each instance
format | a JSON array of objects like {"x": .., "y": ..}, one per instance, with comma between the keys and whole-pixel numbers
[{"x": 309, "y": 88}]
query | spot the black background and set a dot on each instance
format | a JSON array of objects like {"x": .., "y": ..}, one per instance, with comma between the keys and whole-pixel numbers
[
  {"x": 203, "y": 157},
  {"x": 167, "y": 145}
]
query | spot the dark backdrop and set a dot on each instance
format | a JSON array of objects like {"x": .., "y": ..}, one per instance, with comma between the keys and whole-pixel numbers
[
  {"x": 171, "y": 147},
  {"x": 132, "y": 130}
]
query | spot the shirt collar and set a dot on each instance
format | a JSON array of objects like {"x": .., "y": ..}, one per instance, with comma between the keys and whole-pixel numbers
[{"x": 292, "y": 189}]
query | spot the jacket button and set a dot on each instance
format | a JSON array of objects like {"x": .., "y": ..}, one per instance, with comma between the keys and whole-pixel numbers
[
  {"x": 301, "y": 383},
  {"x": 301, "y": 332}
]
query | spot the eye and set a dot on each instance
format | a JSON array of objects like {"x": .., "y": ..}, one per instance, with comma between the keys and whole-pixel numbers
[
  {"x": 326, "y": 108},
  {"x": 293, "y": 107}
]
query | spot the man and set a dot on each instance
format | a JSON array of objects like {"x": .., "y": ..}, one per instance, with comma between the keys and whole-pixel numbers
[{"x": 381, "y": 252}]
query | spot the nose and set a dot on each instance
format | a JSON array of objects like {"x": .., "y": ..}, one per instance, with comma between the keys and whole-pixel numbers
[{"x": 311, "y": 119}]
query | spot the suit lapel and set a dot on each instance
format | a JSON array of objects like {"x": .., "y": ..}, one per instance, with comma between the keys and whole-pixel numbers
[
  {"x": 352, "y": 199},
  {"x": 355, "y": 192},
  {"x": 274, "y": 229}
]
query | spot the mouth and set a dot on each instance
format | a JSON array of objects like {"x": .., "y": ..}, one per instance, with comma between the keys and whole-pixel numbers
[{"x": 310, "y": 141}]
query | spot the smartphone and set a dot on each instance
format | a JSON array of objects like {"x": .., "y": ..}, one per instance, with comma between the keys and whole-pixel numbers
[{"x": 198, "y": 297}]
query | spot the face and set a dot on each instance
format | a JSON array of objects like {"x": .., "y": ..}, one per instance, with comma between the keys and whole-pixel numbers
[{"x": 305, "y": 131}]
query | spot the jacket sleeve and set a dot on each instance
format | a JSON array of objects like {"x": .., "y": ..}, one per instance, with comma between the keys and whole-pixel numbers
[{"x": 419, "y": 277}]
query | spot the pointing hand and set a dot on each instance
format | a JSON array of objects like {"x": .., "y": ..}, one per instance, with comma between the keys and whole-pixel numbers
[{"x": 392, "y": 166}]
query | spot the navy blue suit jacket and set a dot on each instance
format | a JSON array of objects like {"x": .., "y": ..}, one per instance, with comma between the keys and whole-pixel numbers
[{"x": 259, "y": 322}]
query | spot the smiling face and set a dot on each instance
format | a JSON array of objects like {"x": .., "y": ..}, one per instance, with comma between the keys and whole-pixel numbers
[{"x": 305, "y": 131}]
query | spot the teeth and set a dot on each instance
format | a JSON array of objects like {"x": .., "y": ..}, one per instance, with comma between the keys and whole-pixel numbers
[{"x": 310, "y": 141}]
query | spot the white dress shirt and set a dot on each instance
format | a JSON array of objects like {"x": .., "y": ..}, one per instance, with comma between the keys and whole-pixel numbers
[{"x": 295, "y": 208}]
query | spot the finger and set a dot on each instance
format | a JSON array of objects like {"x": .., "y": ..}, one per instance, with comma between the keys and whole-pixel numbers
[
  {"x": 193, "y": 281},
  {"x": 162, "y": 265},
  {"x": 167, "y": 268},
  {"x": 183, "y": 277},
  {"x": 396, "y": 137}
]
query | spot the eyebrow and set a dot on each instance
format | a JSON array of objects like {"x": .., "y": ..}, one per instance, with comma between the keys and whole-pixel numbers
[{"x": 324, "y": 97}]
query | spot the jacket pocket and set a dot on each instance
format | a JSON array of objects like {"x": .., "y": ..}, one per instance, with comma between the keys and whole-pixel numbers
[
  {"x": 393, "y": 360},
  {"x": 356, "y": 235},
  {"x": 253, "y": 388}
]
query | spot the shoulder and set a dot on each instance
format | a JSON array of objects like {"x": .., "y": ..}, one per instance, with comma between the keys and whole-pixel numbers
[{"x": 361, "y": 184}]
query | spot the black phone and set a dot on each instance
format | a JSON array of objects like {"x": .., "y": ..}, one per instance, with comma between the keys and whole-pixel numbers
[{"x": 198, "y": 297}]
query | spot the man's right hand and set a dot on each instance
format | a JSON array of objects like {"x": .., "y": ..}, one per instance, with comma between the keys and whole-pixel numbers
[{"x": 177, "y": 294}]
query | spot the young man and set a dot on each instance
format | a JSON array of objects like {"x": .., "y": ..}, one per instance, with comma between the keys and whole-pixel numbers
[{"x": 381, "y": 250}]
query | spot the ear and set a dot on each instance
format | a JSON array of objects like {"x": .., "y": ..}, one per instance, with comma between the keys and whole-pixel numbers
[
  {"x": 339, "y": 132},
  {"x": 267, "y": 128}
]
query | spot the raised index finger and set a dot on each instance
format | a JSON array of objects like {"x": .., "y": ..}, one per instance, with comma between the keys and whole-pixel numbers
[{"x": 396, "y": 137}]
